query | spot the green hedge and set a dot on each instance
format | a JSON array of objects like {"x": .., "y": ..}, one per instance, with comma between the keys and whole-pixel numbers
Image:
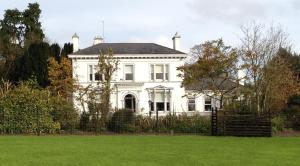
[
  {"x": 25, "y": 109},
  {"x": 126, "y": 121}
]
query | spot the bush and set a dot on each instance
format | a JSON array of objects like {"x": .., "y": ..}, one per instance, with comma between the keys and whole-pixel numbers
[
  {"x": 122, "y": 121},
  {"x": 64, "y": 113},
  {"x": 26, "y": 110},
  {"x": 278, "y": 124}
]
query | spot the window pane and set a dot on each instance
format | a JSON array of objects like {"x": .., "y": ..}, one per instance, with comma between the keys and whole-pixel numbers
[
  {"x": 152, "y": 76},
  {"x": 159, "y": 69},
  {"x": 128, "y": 76},
  {"x": 160, "y": 106},
  {"x": 128, "y": 68},
  {"x": 159, "y": 97},
  {"x": 207, "y": 100},
  {"x": 90, "y": 71},
  {"x": 166, "y": 76},
  {"x": 91, "y": 77},
  {"x": 98, "y": 77},
  {"x": 207, "y": 107},
  {"x": 191, "y": 104},
  {"x": 168, "y": 106},
  {"x": 159, "y": 76}
]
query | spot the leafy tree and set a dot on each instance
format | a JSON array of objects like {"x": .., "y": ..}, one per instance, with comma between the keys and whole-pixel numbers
[
  {"x": 33, "y": 27},
  {"x": 35, "y": 63},
  {"x": 55, "y": 52},
  {"x": 18, "y": 30},
  {"x": 24, "y": 109},
  {"x": 279, "y": 84},
  {"x": 60, "y": 77},
  {"x": 108, "y": 65},
  {"x": 67, "y": 49},
  {"x": 215, "y": 71}
]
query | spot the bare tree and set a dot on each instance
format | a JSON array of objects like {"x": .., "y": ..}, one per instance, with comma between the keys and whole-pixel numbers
[{"x": 259, "y": 46}]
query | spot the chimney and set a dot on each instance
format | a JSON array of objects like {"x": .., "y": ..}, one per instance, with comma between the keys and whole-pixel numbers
[
  {"x": 176, "y": 41},
  {"x": 98, "y": 40},
  {"x": 75, "y": 40}
]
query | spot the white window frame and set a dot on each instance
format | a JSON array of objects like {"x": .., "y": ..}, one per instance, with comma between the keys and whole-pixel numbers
[
  {"x": 188, "y": 103},
  {"x": 133, "y": 72},
  {"x": 211, "y": 103},
  {"x": 93, "y": 73},
  {"x": 164, "y": 72}
]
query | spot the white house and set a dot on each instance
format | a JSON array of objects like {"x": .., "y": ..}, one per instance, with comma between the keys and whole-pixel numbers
[{"x": 146, "y": 79}]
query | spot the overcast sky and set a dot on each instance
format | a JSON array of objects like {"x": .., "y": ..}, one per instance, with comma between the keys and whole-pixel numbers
[{"x": 158, "y": 20}]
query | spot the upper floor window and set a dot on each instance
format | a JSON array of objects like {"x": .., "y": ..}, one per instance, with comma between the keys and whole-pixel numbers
[
  {"x": 191, "y": 104},
  {"x": 159, "y": 72},
  {"x": 207, "y": 104},
  {"x": 93, "y": 73},
  {"x": 128, "y": 72}
]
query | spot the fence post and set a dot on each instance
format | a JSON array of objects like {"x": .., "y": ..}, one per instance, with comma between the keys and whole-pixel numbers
[{"x": 214, "y": 122}]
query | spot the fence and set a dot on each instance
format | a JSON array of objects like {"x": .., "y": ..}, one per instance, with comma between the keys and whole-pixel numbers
[{"x": 237, "y": 123}]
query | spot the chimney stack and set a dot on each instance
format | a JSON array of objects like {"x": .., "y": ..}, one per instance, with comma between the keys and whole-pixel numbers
[
  {"x": 98, "y": 40},
  {"x": 75, "y": 40},
  {"x": 176, "y": 41}
]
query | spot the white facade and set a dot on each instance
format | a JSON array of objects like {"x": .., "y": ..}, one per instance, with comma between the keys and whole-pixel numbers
[{"x": 143, "y": 82}]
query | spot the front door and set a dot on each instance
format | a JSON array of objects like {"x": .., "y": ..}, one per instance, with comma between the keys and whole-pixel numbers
[{"x": 129, "y": 102}]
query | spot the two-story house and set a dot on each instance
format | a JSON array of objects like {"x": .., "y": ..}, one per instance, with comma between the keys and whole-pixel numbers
[{"x": 146, "y": 79}]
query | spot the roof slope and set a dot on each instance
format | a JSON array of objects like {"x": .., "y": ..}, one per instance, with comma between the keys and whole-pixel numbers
[{"x": 128, "y": 48}]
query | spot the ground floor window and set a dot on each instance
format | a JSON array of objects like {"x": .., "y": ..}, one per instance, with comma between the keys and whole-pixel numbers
[
  {"x": 208, "y": 104},
  {"x": 191, "y": 104},
  {"x": 161, "y": 99}
]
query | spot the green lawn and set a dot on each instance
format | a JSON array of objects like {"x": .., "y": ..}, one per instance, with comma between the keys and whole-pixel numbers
[{"x": 148, "y": 150}]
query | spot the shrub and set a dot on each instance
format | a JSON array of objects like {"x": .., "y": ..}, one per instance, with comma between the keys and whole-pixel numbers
[
  {"x": 278, "y": 124},
  {"x": 122, "y": 121},
  {"x": 64, "y": 113},
  {"x": 26, "y": 110}
]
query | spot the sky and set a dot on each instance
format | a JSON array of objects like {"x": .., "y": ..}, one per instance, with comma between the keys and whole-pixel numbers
[{"x": 158, "y": 20}]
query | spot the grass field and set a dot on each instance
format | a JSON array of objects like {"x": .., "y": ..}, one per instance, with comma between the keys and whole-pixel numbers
[{"x": 148, "y": 150}]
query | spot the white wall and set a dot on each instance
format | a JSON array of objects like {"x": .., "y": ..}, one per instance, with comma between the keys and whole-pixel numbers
[{"x": 141, "y": 79}]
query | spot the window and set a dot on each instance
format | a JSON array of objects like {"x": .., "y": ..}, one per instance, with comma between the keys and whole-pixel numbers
[
  {"x": 208, "y": 104},
  {"x": 93, "y": 74},
  {"x": 128, "y": 72},
  {"x": 90, "y": 72},
  {"x": 162, "y": 101},
  {"x": 159, "y": 72},
  {"x": 191, "y": 104},
  {"x": 98, "y": 77}
]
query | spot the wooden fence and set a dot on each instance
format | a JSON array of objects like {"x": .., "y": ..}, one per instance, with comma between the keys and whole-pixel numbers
[{"x": 236, "y": 123}]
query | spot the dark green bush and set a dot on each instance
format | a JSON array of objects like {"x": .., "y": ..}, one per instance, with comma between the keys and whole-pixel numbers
[
  {"x": 122, "y": 121},
  {"x": 64, "y": 113},
  {"x": 26, "y": 110}
]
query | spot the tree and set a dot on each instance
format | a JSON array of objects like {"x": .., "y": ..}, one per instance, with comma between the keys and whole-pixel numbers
[
  {"x": 67, "y": 49},
  {"x": 215, "y": 71},
  {"x": 55, "y": 52},
  {"x": 60, "y": 77},
  {"x": 18, "y": 30},
  {"x": 259, "y": 59},
  {"x": 35, "y": 63},
  {"x": 33, "y": 27},
  {"x": 280, "y": 84}
]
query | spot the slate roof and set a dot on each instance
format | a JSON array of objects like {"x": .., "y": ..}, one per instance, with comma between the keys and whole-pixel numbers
[{"x": 128, "y": 48}]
